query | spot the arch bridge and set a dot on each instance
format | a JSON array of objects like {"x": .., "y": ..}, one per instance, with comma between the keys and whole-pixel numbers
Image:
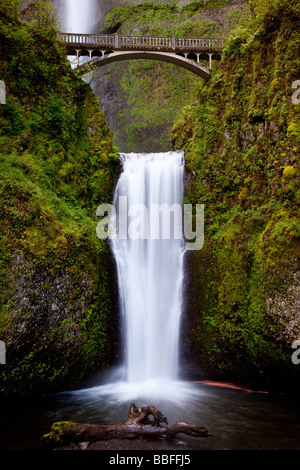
[{"x": 194, "y": 54}]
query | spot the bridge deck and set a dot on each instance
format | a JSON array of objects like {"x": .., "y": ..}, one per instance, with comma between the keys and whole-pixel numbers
[{"x": 121, "y": 42}]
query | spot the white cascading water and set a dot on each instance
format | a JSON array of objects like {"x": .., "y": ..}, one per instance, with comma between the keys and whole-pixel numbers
[
  {"x": 79, "y": 16},
  {"x": 150, "y": 270},
  {"x": 150, "y": 280}
]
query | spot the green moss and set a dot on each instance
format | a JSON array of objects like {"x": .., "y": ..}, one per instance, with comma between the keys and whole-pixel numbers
[
  {"x": 241, "y": 150},
  {"x": 58, "y": 162},
  {"x": 289, "y": 172},
  {"x": 58, "y": 432}
]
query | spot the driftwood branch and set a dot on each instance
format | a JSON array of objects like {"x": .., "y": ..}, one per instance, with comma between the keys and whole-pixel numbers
[{"x": 145, "y": 422}]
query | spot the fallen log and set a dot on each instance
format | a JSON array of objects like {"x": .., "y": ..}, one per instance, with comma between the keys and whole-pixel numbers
[{"x": 144, "y": 422}]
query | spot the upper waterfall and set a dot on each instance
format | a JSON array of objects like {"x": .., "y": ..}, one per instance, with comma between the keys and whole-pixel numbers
[{"x": 81, "y": 17}]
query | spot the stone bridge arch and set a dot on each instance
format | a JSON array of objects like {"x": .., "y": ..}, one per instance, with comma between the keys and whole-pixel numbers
[
  {"x": 109, "y": 57},
  {"x": 193, "y": 54}
]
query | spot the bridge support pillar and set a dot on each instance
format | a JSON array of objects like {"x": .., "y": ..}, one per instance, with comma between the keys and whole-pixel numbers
[
  {"x": 209, "y": 61},
  {"x": 77, "y": 56}
]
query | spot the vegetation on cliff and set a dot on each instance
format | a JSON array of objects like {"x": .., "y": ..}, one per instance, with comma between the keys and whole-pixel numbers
[
  {"x": 57, "y": 165},
  {"x": 149, "y": 95},
  {"x": 241, "y": 138},
  {"x": 240, "y": 133}
]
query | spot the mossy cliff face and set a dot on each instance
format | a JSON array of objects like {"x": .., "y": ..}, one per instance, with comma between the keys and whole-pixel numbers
[
  {"x": 241, "y": 138},
  {"x": 57, "y": 166}
]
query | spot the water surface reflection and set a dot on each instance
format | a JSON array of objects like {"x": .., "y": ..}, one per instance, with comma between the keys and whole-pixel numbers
[{"x": 237, "y": 420}]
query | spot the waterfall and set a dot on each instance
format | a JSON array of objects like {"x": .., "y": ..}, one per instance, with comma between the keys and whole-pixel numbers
[
  {"x": 80, "y": 17},
  {"x": 150, "y": 269},
  {"x": 150, "y": 265}
]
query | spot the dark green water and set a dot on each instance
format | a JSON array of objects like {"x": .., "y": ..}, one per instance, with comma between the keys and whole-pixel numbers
[{"x": 236, "y": 419}]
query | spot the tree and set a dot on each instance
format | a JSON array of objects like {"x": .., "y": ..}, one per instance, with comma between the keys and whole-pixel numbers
[
  {"x": 44, "y": 18},
  {"x": 11, "y": 8}
]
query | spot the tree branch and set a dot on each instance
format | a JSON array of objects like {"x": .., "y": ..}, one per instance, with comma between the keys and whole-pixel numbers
[{"x": 145, "y": 422}]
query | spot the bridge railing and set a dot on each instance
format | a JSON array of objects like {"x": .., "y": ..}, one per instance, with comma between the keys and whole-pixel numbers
[
  {"x": 144, "y": 41},
  {"x": 88, "y": 39},
  {"x": 118, "y": 41},
  {"x": 199, "y": 43}
]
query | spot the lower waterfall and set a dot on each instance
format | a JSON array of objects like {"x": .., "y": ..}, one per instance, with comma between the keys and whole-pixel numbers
[
  {"x": 148, "y": 245},
  {"x": 149, "y": 262}
]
